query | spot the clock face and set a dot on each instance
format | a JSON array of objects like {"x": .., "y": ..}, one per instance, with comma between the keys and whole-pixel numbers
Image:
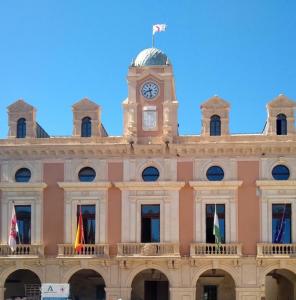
[{"x": 150, "y": 90}]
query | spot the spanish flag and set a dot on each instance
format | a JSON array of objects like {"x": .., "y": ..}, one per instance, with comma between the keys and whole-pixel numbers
[{"x": 79, "y": 240}]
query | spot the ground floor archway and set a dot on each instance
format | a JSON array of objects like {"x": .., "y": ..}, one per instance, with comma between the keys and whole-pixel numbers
[
  {"x": 280, "y": 285},
  {"x": 22, "y": 284},
  {"x": 150, "y": 284},
  {"x": 87, "y": 284},
  {"x": 215, "y": 284}
]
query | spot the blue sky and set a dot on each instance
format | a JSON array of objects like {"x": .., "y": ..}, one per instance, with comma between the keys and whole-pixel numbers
[{"x": 55, "y": 52}]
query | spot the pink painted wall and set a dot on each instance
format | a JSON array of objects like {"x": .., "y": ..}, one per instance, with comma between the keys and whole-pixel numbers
[
  {"x": 115, "y": 173},
  {"x": 53, "y": 207},
  {"x": 248, "y": 207},
  {"x": 186, "y": 207}
]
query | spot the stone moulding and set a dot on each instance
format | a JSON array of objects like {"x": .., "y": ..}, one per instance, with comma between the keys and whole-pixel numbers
[
  {"x": 76, "y": 186},
  {"x": 18, "y": 187},
  {"x": 157, "y": 185}
]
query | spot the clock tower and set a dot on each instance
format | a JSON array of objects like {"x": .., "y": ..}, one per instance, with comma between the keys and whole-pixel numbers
[{"x": 150, "y": 111}]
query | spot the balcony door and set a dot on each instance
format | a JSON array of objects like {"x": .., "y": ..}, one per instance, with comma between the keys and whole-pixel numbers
[{"x": 150, "y": 223}]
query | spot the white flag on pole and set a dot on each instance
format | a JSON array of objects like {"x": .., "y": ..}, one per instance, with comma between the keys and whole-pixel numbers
[
  {"x": 13, "y": 231},
  {"x": 158, "y": 28}
]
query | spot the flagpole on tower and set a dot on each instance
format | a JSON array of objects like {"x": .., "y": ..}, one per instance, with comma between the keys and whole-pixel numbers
[{"x": 157, "y": 28}]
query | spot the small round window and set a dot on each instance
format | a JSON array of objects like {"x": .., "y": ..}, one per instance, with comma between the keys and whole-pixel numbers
[
  {"x": 150, "y": 174},
  {"x": 215, "y": 173},
  {"x": 280, "y": 172},
  {"x": 87, "y": 174},
  {"x": 22, "y": 175}
]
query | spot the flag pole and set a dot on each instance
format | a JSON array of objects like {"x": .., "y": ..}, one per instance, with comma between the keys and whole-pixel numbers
[{"x": 152, "y": 40}]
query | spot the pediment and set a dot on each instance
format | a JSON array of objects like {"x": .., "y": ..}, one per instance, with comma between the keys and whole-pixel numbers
[
  {"x": 85, "y": 104},
  {"x": 281, "y": 101},
  {"x": 216, "y": 103},
  {"x": 20, "y": 106}
]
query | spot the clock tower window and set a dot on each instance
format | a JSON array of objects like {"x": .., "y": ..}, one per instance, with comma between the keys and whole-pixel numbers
[{"x": 149, "y": 118}]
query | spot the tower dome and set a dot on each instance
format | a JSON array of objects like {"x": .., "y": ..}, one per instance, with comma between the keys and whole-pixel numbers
[{"x": 151, "y": 57}]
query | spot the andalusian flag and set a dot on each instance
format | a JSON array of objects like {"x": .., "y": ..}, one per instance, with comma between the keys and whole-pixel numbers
[
  {"x": 216, "y": 229},
  {"x": 79, "y": 240}
]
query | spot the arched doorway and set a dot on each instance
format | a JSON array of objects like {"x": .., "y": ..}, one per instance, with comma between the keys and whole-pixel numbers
[
  {"x": 87, "y": 284},
  {"x": 280, "y": 285},
  {"x": 150, "y": 284},
  {"x": 22, "y": 284},
  {"x": 215, "y": 284}
]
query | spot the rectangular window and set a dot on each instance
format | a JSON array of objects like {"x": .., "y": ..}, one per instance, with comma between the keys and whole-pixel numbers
[
  {"x": 281, "y": 223},
  {"x": 23, "y": 217},
  {"x": 210, "y": 292},
  {"x": 150, "y": 223},
  {"x": 89, "y": 222},
  {"x": 210, "y": 211}
]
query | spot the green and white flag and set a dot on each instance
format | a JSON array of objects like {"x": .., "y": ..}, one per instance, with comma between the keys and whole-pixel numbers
[{"x": 216, "y": 229}]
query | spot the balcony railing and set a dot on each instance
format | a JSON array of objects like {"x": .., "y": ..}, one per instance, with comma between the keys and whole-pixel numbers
[
  {"x": 269, "y": 249},
  {"x": 148, "y": 249},
  {"x": 205, "y": 249},
  {"x": 22, "y": 250},
  {"x": 95, "y": 250}
]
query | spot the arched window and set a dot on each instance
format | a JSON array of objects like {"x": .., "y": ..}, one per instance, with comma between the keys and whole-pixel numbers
[
  {"x": 150, "y": 174},
  {"x": 22, "y": 175},
  {"x": 281, "y": 124},
  {"x": 215, "y": 126},
  {"x": 86, "y": 127},
  {"x": 21, "y": 128},
  {"x": 87, "y": 174},
  {"x": 280, "y": 172},
  {"x": 215, "y": 173}
]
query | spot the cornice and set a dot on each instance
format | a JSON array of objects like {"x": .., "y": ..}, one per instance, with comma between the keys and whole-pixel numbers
[
  {"x": 85, "y": 186},
  {"x": 155, "y": 185},
  {"x": 24, "y": 187},
  {"x": 212, "y": 185},
  {"x": 276, "y": 184},
  {"x": 183, "y": 146}
]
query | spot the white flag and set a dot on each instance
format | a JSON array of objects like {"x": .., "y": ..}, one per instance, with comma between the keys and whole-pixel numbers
[
  {"x": 13, "y": 231},
  {"x": 159, "y": 27}
]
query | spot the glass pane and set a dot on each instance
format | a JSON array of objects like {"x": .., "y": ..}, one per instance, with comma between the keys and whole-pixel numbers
[
  {"x": 23, "y": 217},
  {"x": 280, "y": 172},
  {"x": 281, "y": 223},
  {"x": 23, "y": 175},
  {"x": 150, "y": 174},
  {"x": 210, "y": 211},
  {"x": 215, "y": 173},
  {"x": 155, "y": 230},
  {"x": 87, "y": 174},
  {"x": 150, "y": 210},
  {"x": 89, "y": 222}
]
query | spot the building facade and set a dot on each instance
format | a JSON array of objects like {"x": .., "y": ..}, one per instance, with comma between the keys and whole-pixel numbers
[{"x": 148, "y": 200}]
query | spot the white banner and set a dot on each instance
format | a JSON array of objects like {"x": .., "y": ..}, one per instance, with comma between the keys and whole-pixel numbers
[{"x": 55, "y": 290}]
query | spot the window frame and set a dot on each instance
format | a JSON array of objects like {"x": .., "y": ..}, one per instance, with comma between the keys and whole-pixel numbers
[
  {"x": 218, "y": 168},
  {"x": 21, "y": 128},
  {"x": 272, "y": 219},
  {"x": 18, "y": 240},
  {"x": 83, "y": 169},
  {"x": 86, "y": 127},
  {"x": 145, "y": 169},
  {"x": 151, "y": 217},
  {"x": 280, "y": 174},
  {"x": 95, "y": 221},
  {"x": 22, "y": 181},
  {"x": 215, "y": 125},
  {"x": 281, "y": 124}
]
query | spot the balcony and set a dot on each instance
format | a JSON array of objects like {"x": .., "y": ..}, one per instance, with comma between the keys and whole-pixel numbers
[
  {"x": 213, "y": 250},
  {"x": 88, "y": 250},
  {"x": 148, "y": 250},
  {"x": 22, "y": 250},
  {"x": 276, "y": 250}
]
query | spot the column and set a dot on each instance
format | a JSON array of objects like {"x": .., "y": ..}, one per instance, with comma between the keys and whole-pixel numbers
[
  {"x": 249, "y": 293},
  {"x": 182, "y": 293},
  {"x": 126, "y": 293},
  {"x": 112, "y": 293},
  {"x": 2, "y": 291}
]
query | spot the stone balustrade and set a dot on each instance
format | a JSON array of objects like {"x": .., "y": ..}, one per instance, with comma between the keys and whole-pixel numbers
[
  {"x": 206, "y": 249},
  {"x": 269, "y": 249},
  {"x": 148, "y": 249},
  {"x": 22, "y": 250},
  {"x": 94, "y": 250}
]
